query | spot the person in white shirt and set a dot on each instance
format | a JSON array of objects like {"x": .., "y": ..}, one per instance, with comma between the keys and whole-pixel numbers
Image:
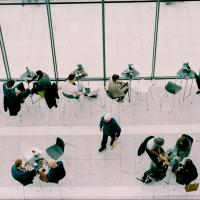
[{"x": 69, "y": 87}]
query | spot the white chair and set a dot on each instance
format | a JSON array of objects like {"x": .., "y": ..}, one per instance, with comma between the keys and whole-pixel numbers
[
  {"x": 72, "y": 98},
  {"x": 143, "y": 89}
]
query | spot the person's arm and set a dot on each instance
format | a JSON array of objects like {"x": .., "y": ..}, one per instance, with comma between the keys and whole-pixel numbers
[
  {"x": 117, "y": 128},
  {"x": 101, "y": 123}
]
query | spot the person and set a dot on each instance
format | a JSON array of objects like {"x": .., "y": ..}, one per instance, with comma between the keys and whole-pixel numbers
[
  {"x": 197, "y": 77},
  {"x": 185, "y": 173},
  {"x": 55, "y": 173},
  {"x": 117, "y": 88},
  {"x": 181, "y": 150},
  {"x": 28, "y": 75},
  {"x": 14, "y": 96},
  {"x": 16, "y": 93},
  {"x": 23, "y": 174},
  {"x": 43, "y": 82},
  {"x": 80, "y": 72},
  {"x": 69, "y": 87},
  {"x": 159, "y": 160},
  {"x": 110, "y": 128}
]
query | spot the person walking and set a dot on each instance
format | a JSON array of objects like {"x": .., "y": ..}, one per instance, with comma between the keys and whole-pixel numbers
[{"x": 111, "y": 128}]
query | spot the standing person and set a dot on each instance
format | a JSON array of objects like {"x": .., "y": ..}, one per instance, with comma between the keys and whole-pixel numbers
[
  {"x": 110, "y": 128},
  {"x": 159, "y": 160},
  {"x": 186, "y": 173},
  {"x": 181, "y": 150}
]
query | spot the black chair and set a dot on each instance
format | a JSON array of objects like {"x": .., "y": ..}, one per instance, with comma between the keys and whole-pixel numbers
[
  {"x": 110, "y": 95},
  {"x": 56, "y": 150}
]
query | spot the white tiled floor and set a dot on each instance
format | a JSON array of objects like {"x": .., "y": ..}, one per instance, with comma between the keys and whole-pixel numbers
[{"x": 90, "y": 174}]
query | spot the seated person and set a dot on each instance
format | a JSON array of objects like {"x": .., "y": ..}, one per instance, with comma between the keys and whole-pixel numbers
[
  {"x": 159, "y": 161},
  {"x": 117, "y": 88},
  {"x": 80, "y": 72},
  {"x": 28, "y": 75},
  {"x": 43, "y": 82},
  {"x": 69, "y": 87},
  {"x": 23, "y": 174},
  {"x": 180, "y": 151},
  {"x": 55, "y": 173},
  {"x": 15, "y": 94},
  {"x": 185, "y": 173}
]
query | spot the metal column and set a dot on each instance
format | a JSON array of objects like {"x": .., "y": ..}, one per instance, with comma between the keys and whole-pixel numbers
[
  {"x": 103, "y": 42},
  {"x": 52, "y": 40},
  {"x": 4, "y": 55},
  {"x": 155, "y": 39}
]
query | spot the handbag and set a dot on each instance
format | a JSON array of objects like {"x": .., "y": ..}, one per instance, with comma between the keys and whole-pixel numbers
[{"x": 192, "y": 187}]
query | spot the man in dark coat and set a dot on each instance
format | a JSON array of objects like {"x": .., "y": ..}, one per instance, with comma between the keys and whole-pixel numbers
[
  {"x": 14, "y": 96},
  {"x": 186, "y": 173},
  {"x": 110, "y": 128},
  {"x": 21, "y": 174},
  {"x": 55, "y": 173}
]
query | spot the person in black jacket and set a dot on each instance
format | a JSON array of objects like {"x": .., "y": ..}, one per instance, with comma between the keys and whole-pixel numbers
[
  {"x": 185, "y": 173},
  {"x": 14, "y": 96},
  {"x": 55, "y": 173},
  {"x": 24, "y": 175},
  {"x": 110, "y": 128}
]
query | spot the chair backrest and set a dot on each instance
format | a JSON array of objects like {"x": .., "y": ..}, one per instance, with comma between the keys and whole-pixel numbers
[
  {"x": 41, "y": 93},
  {"x": 172, "y": 88},
  {"x": 60, "y": 143},
  {"x": 69, "y": 96},
  {"x": 109, "y": 94}
]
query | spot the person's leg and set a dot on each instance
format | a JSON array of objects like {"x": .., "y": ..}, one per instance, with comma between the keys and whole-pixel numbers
[
  {"x": 112, "y": 140},
  {"x": 103, "y": 142},
  {"x": 197, "y": 81}
]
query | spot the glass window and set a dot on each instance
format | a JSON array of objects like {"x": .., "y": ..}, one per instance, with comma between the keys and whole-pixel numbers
[
  {"x": 78, "y": 38},
  {"x": 178, "y": 38},
  {"x": 26, "y": 37},
  {"x": 129, "y": 37}
]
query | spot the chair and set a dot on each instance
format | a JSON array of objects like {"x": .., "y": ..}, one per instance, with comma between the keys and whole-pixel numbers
[
  {"x": 71, "y": 97},
  {"x": 143, "y": 88},
  {"x": 41, "y": 96},
  {"x": 56, "y": 150},
  {"x": 173, "y": 88}
]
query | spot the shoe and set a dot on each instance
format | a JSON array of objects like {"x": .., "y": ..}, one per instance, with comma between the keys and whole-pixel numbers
[
  {"x": 111, "y": 143},
  {"x": 101, "y": 149},
  {"x": 120, "y": 100},
  {"x": 148, "y": 180},
  {"x": 198, "y": 92}
]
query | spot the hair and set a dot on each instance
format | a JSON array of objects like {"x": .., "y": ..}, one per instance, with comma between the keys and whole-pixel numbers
[
  {"x": 18, "y": 162},
  {"x": 39, "y": 73},
  {"x": 115, "y": 77},
  {"x": 107, "y": 117},
  {"x": 10, "y": 83},
  {"x": 52, "y": 164},
  {"x": 71, "y": 77},
  {"x": 183, "y": 143},
  {"x": 188, "y": 163}
]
